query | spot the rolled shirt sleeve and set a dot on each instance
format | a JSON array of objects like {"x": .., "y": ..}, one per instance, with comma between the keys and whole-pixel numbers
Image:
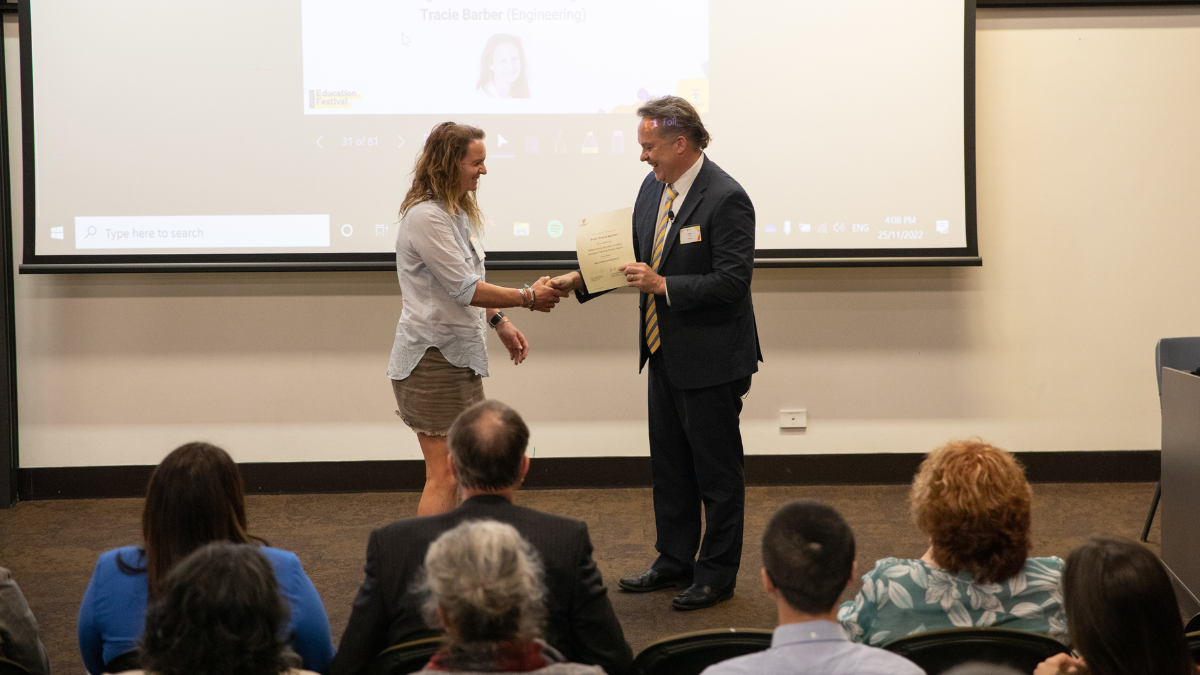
[{"x": 433, "y": 239}]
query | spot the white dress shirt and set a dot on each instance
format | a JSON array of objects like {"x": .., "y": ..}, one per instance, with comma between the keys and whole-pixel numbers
[{"x": 682, "y": 186}]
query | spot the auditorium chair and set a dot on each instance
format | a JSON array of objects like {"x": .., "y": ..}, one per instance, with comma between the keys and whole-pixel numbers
[
  {"x": 1181, "y": 354},
  {"x": 1194, "y": 645},
  {"x": 11, "y": 667},
  {"x": 940, "y": 650},
  {"x": 406, "y": 657},
  {"x": 130, "y": 660},
  {"x": 1193, "y": 624},
  {"x": 690, "y": 653}
]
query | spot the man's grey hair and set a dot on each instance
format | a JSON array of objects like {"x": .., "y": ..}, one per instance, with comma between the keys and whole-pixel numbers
[
  {"x": 673, "y": 116},
  {"x": 488, "y": 582},
  {"x": 487, "y": 442}
]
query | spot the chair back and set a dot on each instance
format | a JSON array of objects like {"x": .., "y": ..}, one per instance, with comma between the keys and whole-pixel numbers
[
  {"x": 940, "y": 650},
  {"x": 1192, "y": 625},
  {"x": 1178, "y": 353},
  {"x": 406, "y": 657},
  {"x": 130, "y": 660},
  {"x": 1193, "y": 640},
  {"x": 690, "y": 653},
  {"x": 8, "y": 667}
]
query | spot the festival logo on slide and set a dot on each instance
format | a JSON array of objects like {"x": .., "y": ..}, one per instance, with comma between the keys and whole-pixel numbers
[{"x": 382, "y": 57}]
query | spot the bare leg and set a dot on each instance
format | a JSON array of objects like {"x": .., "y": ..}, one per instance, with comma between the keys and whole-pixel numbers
[{"x": 441, "y": 492}]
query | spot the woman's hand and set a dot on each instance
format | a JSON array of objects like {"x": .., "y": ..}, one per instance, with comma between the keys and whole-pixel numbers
[
  {"x": 1061, "y": 664},
  {"x": 518, "y": 347},
  {"x": 546, "y": 296}
]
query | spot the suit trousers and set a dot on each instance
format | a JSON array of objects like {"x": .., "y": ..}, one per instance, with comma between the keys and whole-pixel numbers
[{"x": 696, "y": 459}]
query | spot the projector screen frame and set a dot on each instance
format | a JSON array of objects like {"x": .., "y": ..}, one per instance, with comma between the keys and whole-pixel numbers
[{"x": 32, "y": 263}]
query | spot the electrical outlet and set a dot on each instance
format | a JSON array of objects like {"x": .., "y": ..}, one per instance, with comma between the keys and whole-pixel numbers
[{"x": 793, "y": 419}]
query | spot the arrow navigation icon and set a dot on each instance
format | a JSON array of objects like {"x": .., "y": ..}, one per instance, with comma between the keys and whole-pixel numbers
[
  {"x": 319, "y": 142},
  {"x": 401, "y": 142}
]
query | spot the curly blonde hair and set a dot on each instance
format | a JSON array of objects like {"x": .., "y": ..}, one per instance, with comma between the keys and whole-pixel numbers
[
  {"x": 974, "y": 503},
  {"x": 436, "y": 176}
]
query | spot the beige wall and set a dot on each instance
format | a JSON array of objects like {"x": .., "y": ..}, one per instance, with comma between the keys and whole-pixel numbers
[{"x": 1089, "y": 226}]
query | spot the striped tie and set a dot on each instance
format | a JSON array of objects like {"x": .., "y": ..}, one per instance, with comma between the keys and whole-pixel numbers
[{"x": 660, "y": 238}]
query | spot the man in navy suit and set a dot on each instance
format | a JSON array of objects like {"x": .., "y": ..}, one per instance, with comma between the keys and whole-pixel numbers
[{"x": 693, "y": 228}]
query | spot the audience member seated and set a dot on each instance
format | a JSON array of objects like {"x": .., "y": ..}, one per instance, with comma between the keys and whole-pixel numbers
[
  {"x": 487, "y": 454},
  {"x": 973, "y": 502},
  {"x": 1123, "y": 613},
  {"x": 976, "y": 668},
  {"x": 808, "y": 558},
  {"x": 19, "y": 639},
  {"x": 485, "y": 591},
  {"x": 218, "y": 613},
  {"x": 195, "y": 496}
]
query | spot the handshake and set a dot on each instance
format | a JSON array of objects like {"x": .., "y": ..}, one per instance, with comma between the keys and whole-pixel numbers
[
  {"x": 544, "y": 294},
  {"x": 548, "y": 291}
]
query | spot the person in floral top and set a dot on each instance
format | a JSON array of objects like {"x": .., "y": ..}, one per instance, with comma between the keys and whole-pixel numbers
[{"x": 972, "y": 500}]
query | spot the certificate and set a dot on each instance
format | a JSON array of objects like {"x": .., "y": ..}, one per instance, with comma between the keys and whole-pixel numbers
[{"x": 605, "y": 242}]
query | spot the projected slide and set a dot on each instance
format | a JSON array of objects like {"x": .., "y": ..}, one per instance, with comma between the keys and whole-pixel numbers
[
  {"x": 197, "y": 131},
  {"x": 383, "y": 57}
]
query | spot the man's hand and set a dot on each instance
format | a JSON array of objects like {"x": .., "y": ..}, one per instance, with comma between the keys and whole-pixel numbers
[
  {"x": 571, "y": 281},
  {"x": 1061, "y": 664},
  {"x": 643, "y": 277},
  {"x": 518, "y": 346},
  {"x": 546, "y": 297}
]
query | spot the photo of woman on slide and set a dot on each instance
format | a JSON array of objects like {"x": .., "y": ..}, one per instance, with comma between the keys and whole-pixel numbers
[{"x": 502, "y": 68}]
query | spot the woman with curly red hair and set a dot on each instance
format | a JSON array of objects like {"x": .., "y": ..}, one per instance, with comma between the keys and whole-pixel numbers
[{"x": 972, "y": 500}]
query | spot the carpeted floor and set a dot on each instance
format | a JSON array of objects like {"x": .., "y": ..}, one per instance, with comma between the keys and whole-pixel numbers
[{"x": 51, "y": 546}]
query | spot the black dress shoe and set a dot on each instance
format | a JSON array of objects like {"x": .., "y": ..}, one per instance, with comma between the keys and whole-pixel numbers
[
  {"x": 653, "y": 580},
  {"x": 700, "y": 597}
]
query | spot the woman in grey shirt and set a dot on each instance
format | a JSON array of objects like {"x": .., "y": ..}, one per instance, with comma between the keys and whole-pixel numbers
[{"x": 440, "y": 354}]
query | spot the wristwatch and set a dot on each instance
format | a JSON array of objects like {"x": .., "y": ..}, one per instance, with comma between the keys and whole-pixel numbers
[{"x": 496, "y": 318}]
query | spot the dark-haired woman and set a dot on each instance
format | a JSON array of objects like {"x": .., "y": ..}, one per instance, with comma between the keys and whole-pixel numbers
[
  {"x": 439, "y": 357},
  {"x": 196, "y": 496},
  {"x": 219, "y": 614},
  {"x": 1124, "y": 617}
]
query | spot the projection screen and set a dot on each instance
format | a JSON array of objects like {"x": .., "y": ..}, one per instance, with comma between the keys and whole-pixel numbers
[{"x": 281, "y": 134}]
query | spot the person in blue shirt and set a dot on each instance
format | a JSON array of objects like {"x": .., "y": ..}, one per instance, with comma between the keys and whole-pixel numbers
[
  {"x": 196, "y": 496},
  {"x": 808, "y": 560}
]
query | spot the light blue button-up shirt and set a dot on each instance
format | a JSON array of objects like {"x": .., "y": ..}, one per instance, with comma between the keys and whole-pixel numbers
[
  {"x": 816, "y": 648},
  {"x": 439, "y": 270}
]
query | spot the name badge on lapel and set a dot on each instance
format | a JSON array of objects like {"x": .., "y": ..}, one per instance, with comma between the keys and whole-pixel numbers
[
  {"x": 689, "y": 235},
  {"x": 478, "y": 247}
]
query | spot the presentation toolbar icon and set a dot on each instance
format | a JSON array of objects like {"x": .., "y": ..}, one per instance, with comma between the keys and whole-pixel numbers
[
  {"x": 554, "y": 229},
  {"x": 943, "y": 226},
  {"x": 823, "y": 229},
  {"x": 531, "y": 145},
  {"x": 769, "y": 227},
  {"x": 381, "y": 229},
  {"x": 787, "y": 227},
  {"x": 347, "y": 230},
  {"x": 590, "y": 146},
  {"x": 806, "y": 227},
  {"x": 618, "y": 142},
  {"x": 560, "y": 144},
  {"x": 520, "y": 229},
  {"x": 500, "y": 141},
  {"x": 57, "y": 233}
]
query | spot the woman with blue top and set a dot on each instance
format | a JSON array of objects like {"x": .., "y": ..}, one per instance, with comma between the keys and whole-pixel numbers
[
  {"x": 196, "y": 496},
  {"x": 439, "y": 356},
  {"x": 972, "y": 500}
]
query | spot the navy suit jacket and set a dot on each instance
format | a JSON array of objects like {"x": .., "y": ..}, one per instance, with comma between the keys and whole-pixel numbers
[
  {"x": 580, "y": 621},
  {"x": 708, "y": 332}
]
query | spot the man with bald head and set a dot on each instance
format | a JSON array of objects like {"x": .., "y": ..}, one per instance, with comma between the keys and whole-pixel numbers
[{"x": 487, "y": 453}]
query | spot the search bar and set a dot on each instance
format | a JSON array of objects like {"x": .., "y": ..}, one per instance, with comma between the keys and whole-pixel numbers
[{"x": 111, "y": 232}]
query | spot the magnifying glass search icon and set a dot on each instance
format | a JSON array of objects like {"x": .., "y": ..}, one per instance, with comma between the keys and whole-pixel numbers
[{"x": 91, "y": 230}]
